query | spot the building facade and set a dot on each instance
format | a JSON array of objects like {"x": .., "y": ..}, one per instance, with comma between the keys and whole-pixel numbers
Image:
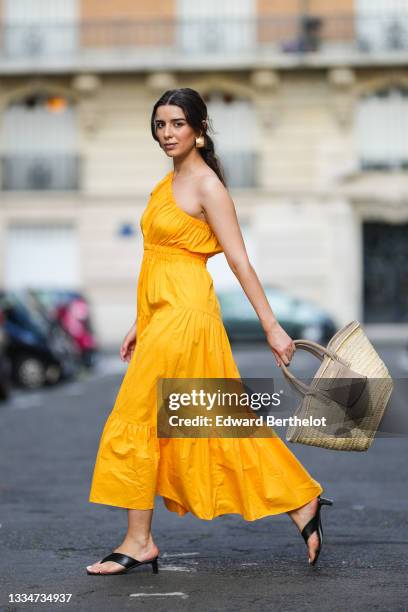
[{"x": 309, "y": 102}]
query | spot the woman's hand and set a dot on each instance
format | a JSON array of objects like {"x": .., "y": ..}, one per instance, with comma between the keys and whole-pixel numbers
[
  {"x": 281, "y": 344},
  {"x": 128, "y": 344}
]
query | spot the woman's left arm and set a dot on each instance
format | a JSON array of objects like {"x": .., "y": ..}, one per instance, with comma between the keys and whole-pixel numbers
[{"x": 220, "y": 211}]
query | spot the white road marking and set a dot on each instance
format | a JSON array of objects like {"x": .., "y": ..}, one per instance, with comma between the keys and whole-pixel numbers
[
  {"x": 177, "y": 568},
  {"x": 181, "y": 554},
  {"x": 175, "y": 594}
]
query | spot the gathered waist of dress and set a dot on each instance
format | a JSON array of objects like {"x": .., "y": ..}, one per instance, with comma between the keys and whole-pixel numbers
[{"x": 171, "y": 252}]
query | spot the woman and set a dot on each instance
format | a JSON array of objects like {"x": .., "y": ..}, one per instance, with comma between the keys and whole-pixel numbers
[{"x": 179, "y": 333}]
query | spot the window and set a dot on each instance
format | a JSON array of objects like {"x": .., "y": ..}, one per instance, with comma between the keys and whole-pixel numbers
[
  {"x": 40, "y": 27},
  {"x": 216, "y": 26},
  {"x": 235, "y": 138},
  {"x": 382, "y": 24},
  {"x": 381, "y": 126},
  {"x": 32, "y": 161}
]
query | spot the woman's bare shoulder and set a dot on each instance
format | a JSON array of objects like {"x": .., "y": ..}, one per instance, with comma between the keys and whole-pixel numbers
[{"x": 209, "y": 182}]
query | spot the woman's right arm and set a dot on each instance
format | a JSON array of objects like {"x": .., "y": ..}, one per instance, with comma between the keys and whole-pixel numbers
[
  {"x": 128, "y": 344},
  {"x": 220, "y": 211}
]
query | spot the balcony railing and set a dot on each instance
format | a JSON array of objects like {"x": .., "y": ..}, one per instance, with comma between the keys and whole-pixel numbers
[
  {"x": 45, "y": 172},
  {"x": 142, "y": 42}
]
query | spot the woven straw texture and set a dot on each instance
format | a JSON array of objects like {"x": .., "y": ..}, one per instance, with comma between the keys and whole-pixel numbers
[{"x": 351, "y": 344}]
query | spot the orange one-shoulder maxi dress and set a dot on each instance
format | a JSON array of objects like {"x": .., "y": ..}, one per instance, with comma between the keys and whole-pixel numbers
[{"x": 180, "y": 334}]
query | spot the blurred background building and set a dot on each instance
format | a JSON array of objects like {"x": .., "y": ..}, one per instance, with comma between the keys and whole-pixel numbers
[{"x": 309, "y": 101}]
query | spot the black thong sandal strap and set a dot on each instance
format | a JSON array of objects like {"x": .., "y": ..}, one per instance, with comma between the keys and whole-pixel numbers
[
  {"x": 124, "y": 560},
  {"x": 310, "y": 527}
]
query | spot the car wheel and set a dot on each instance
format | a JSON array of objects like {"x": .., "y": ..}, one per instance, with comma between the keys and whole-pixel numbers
[{"x": 30, "y": 373}]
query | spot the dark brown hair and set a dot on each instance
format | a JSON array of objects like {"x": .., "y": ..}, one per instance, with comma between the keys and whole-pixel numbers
[{"x": 195, "y": 110}]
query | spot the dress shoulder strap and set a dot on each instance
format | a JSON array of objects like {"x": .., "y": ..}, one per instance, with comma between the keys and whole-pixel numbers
[{"x": 159, "y": 184}]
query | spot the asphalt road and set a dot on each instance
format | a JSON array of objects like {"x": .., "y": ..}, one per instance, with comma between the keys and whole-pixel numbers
[{"x": 49, "y": 531}]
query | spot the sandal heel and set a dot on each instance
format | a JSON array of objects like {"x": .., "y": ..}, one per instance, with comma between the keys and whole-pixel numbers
[
  {"x": 324, "y": 501},
  {"x": 155, "y": 566}
]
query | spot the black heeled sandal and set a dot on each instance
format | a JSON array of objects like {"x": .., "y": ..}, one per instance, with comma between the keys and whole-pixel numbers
[
  {"x": 127, "y": 562},
  {"x": 315, "y": 524}
]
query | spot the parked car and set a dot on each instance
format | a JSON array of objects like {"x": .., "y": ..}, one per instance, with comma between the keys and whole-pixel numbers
[
  {"x": 300, "y": 318},
  {"x": 73, "y": 311},
  {"x": 40, "y": 350},
  {"x": 5, "y": 365}
]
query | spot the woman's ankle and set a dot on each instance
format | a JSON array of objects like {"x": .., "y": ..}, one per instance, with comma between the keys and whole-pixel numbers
[
  {"x": 143, "y": 542},
  {"x": 301, "y": 509}
]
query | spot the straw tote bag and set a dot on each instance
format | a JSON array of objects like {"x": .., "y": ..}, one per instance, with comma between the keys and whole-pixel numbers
[{"x": 350, "y": 390}]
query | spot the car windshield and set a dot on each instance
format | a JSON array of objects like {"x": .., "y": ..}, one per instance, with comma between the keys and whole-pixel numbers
[
  {"x": 18, "y": 311},
  {"x": 235, "y": 304},
  {"x": 52, "y": 298}
]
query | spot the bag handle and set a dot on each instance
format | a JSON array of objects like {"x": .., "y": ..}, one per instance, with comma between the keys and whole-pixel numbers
[{"x": 315, "y": 349}]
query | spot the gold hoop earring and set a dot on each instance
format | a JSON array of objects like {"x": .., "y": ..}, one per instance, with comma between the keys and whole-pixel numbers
[{"x": 200, "y": 142}]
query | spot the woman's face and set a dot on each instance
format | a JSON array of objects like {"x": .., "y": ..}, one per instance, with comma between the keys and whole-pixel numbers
[{"x": 176, "y": 136}]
